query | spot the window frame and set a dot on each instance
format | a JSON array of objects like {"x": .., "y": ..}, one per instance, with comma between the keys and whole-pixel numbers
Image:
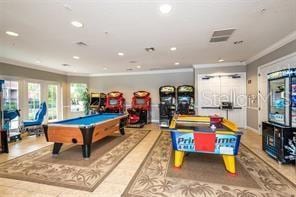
[
  {"x": 70, "y": 97},
  {"x": 40, "y": 95},
  {"x": 58, "y": 100}
]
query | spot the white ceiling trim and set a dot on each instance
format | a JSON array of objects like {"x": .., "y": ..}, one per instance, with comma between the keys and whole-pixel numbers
[
  {"x": 289, "y": 38},
  {"x": 144, "y": 72},
  {"x": 225, "y": 64}
]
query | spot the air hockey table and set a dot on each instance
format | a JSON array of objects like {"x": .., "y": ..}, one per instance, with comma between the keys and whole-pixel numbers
[
  {"x": 84, "y": 130},
  {"x": 203, "y": 134}
]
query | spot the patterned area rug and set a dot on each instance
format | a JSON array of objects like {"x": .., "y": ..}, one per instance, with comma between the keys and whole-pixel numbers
[
  {"x": 69, "y": 169},
  {"x": 201, "y": 175}
]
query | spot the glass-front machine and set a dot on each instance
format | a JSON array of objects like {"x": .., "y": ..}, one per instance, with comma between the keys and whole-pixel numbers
[
  {"x": 185, "y": 100},
  {"x": 167, "y": 105},
  {"x": 279, "y": 132}
]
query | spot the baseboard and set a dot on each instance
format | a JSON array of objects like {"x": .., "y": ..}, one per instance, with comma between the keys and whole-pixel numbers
[
  {"x": 155, "y": 121},
  {"x": 254, "y": 130}
]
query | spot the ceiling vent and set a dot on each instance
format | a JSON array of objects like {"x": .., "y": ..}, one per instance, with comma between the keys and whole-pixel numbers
[
  {"x": 129, "y": 69},
  {"x": 221, "y": 35},
  {"x": 150, "y": 49},
  {"x": 81, "y": 44},
  {"x": 66, "y": 65},
  {"x": 238, "y": 42}
]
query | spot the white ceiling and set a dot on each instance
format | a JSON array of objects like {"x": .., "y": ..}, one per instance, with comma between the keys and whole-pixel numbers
[{"x": 45, "y": 32}]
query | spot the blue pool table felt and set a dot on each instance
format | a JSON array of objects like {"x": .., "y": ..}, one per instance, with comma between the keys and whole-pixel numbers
[{"x": 88, "y": 120}]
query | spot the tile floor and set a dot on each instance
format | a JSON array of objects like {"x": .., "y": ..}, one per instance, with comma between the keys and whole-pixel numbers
[{"x": 118, "y": 179}]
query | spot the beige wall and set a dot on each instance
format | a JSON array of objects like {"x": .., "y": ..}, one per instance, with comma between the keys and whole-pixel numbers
[
  {"x": 149, "y": 82},
  {"x": 252, "y": 88},
  {"x": 18, "y": 71}
]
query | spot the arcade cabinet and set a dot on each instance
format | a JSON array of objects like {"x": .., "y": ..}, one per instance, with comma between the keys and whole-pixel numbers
[
  {"x": 279, "y": 132},
  {"x": 97, "y": 102},
  {"x": 115, "y": 102},
  {"x": 140, "y": 111},
  {"x": 3, "y": 132},
  {"x": 185, "y": 100},
  {"x": 167, "y": 105}
]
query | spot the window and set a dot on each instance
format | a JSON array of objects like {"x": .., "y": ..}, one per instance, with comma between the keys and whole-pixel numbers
[
  {"x": 52, "y": 102},
  {"x": 34, "y": 99},
  {"x": 11, "y": 101},
  {"x": 76, "y": 91}
]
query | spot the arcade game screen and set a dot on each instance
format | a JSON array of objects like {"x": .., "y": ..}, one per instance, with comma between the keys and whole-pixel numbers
[
  {"x": 113, "y": 101},
  {"x": 167, "y": 100},
  {"x": 184, "y": 99},
  {"x": 94, "y": 101},
  {"x": 277, "y": 108},
  {"x": 140, "y": 101}
]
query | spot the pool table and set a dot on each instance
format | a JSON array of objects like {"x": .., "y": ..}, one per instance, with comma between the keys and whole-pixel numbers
[
  {"x": 84, "y": 130},
  {"x": 197, "y": 134}
]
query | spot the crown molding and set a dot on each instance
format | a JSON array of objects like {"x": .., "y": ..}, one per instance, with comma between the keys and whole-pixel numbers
[
  {"x": 224, "y": 64},
  {"x": 289, "y": 38},
  {"x": 77, "y": 74},
  {"x": 144, "y": 72}
]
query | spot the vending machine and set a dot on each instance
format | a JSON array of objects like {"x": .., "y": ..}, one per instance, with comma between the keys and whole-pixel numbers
[{"x": 279, "y": 132}]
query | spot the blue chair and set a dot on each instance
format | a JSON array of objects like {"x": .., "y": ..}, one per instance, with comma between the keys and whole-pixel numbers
[{"x": 35, "y": 126}]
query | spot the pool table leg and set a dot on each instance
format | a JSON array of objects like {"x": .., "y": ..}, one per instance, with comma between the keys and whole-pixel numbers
[
  {"x": 122, "y": 131},
  {"x": 86, "y": 151},
  {"x": 56, "y": 148},
  {"x": 121, "y": 126}
]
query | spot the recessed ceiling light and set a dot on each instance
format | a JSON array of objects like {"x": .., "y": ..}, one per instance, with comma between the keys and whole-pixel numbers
[
  {"x": 37, "y": 62},
  {"x": 105, "y": 68},
  {"x": 165, "y": 8},
  {"x": 11, "y": 33},
  {"x": 76, "y": 57},
  {"x": 221, "y": 60},
  {"x": 77, "y": 24},
  {"x": 139, "y": 66},
  {"x": 120, "y": 54},
  {"x": 173, "y": 48},
  {"x": 177, "y": 63}
]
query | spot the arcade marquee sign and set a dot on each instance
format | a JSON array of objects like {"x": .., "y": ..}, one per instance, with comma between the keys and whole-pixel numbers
[{"x": 206, "y": 142}]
